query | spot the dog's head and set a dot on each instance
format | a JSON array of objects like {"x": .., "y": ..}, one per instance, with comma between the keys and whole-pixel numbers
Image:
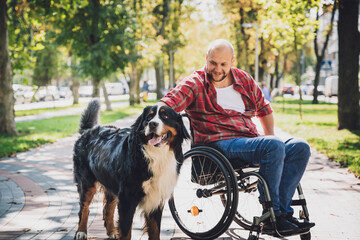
[{"x": 160, "y": 126}]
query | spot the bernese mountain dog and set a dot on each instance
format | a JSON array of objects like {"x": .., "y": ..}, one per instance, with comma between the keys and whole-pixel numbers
[{"x": 136, "y": 167}]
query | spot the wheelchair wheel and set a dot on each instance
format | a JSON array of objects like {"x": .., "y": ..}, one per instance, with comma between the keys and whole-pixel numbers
[
  {"x": 248, "y": 204},
  {"x": 306, "y": 236},
  {"x": 196, "y": 205}
]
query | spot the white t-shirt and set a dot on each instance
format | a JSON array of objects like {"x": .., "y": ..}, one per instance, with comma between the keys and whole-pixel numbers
[{"x": 228, "y": 98}]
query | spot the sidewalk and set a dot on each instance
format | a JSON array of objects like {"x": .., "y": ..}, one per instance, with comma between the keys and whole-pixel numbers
[{"x": 38, "y": 199}]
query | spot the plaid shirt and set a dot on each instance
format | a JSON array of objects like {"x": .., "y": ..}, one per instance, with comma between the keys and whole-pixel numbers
[{"x": 210, "y": 122}]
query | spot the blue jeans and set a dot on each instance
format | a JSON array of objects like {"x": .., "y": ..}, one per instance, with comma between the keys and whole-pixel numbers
[{"x": 282, "y": 164}]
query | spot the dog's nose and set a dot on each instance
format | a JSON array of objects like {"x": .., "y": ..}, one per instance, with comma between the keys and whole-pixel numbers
[{"x": 153, "y": 125}]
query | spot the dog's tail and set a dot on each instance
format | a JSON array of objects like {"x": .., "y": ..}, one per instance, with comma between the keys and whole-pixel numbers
[{"x": 90, "y": 116}]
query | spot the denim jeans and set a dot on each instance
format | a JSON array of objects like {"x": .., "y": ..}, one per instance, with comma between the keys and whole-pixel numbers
[{"x": 282, "y": 164}]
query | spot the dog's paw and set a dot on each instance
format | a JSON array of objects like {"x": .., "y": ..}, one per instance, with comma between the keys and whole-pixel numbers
[
  {"x": 113, "y": 235},
  {"x": 80, "y": 236}
]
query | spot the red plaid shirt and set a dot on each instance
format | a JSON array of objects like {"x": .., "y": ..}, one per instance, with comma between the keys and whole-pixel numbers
[{"x": 210, "y": 122}]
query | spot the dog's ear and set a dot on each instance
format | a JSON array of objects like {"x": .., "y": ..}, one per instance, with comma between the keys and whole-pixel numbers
[
  {"x": 184, "y": 132},
  {"x": 138, "y": 125}
]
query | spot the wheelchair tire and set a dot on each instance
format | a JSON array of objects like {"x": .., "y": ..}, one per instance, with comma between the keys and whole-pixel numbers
[
  {"x": 248, "y": 204},
  {"x": 196, "y": 205}
]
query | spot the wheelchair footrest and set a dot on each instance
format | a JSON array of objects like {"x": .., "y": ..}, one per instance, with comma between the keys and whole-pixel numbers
[{"x": 299, "y": 202}]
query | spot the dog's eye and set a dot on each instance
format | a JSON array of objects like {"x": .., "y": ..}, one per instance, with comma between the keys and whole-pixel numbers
[
  {"x": 165, "y": 116},
  {"x": 149, "y": 117}
]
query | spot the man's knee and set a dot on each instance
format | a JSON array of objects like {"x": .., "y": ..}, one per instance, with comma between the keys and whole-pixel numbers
[
  {"x": 276, "y": 147},
  {"x": 299, "y": 148}
]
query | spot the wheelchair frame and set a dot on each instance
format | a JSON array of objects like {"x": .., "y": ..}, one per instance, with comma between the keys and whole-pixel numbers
[{"x": 219, "y": 167}]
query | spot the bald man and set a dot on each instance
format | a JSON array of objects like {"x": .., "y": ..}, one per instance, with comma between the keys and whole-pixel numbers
[{"x": 220, "y": 100}]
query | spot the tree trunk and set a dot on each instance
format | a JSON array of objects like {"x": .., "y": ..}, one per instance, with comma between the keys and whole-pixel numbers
[
  {"x": 320, "y": 56},
  {"x": 349, "y": 48},
  {"x": 75, "y": 90},
  {"x": 96, "y": 89},
  {"x": 160, "y": 81},
  {"x": 317, "y": 79},
  {"x": 298, "y": 75},
  {"x": 106, "y": 97},
  {"x": 7, "y": 100},
  {"x": 134, "y": 86}
]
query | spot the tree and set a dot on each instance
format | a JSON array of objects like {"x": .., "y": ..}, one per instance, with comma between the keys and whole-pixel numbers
[
  {"x": 175, "y": 38},
  {"x": 239, "y": 13},
  {"x": 161, "y": 13},
  {"x": 98, "y": 34},
  {"x": 289, "y": 26},
  {"x": 26, "y": 31},
  {"x": 320, "y": 56},
  {"x": 349, "y": 48},
  {"x": 45, "y": 67},
  {"x": 7, "y": 100}
]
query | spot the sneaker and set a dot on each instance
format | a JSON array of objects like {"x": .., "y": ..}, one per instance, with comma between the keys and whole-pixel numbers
[
  {"x": 283, "y": 226},
  {"x": 301, "y": 224}
]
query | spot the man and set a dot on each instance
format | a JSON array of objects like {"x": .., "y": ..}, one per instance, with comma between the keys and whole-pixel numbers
[
  {"x": 266, "y": 91},
  {"x": 220, "y": 101}
]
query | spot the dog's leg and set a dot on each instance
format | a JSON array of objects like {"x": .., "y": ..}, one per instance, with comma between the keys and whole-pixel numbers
[
  {"x": 126, "y": 207},
  {"x": 128, "y": 236},
  {"x": 153, "y": 222},
  {"x": 86, "y": 195},
  {"x": 110, "y": 201}
]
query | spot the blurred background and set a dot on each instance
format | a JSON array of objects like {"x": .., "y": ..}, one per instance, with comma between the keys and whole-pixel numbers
[{"x": 56, "y": 50}]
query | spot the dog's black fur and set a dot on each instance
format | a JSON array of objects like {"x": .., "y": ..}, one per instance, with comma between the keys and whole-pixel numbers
[{"x": 136, "y": 166}]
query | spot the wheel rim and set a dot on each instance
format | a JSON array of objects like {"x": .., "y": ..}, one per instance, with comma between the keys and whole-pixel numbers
[
  {"x": 196, "y": 204},
  {"x": 248, "y": 204}
]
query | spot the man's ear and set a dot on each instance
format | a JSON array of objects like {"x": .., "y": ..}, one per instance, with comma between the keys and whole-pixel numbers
[{"x": 233, "y": 61}]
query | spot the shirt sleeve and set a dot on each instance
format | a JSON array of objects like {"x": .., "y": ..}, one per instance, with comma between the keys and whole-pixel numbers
[{"x": 183, "y": 95}]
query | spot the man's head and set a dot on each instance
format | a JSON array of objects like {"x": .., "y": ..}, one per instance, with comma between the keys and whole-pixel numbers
[{"x": 219, "y": 60}]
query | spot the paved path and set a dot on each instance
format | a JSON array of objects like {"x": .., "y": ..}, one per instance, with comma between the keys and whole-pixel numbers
[{"x": 38, "y": 199}]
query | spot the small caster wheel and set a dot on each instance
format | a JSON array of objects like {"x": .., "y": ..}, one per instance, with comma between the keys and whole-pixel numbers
[{"x": 306, "y": 236}]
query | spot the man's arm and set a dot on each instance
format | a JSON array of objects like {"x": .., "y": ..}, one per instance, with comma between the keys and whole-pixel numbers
[{"x": 267, "y": 123}]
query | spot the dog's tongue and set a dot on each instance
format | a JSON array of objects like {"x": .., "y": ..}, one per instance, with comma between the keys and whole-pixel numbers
[{"x": 155, "y": 140}]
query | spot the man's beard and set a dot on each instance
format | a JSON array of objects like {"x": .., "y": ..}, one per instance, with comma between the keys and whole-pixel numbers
[{"x": 221, "y": 79}]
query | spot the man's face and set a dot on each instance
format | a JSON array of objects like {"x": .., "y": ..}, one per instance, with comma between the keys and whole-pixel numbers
[{"x": 219, "y": 63}]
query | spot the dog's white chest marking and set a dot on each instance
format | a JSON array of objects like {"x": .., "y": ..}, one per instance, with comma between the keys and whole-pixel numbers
[{"x": 159, "y": 187}]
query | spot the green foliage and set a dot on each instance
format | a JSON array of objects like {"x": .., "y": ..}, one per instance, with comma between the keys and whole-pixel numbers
[
  {"x": 319, "y": 128},
  {"x": 46, "y": 66},
  {"x": 99, "y": 33},
  {"x": 26, "y": 31}
]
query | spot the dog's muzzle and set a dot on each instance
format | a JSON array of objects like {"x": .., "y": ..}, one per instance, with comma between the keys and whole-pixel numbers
[{"x": 157, "y": 141}]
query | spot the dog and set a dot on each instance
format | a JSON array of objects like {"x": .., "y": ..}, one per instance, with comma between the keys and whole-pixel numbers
[{"x": 136, "y": 167}]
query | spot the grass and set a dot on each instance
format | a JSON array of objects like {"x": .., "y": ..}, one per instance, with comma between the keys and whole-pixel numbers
[
  {"x": 35, "y": 133},
  {"x": 319, "y": 127}
]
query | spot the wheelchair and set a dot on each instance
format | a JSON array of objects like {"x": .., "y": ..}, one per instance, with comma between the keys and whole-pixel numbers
[{"x": 210, "y": 195}]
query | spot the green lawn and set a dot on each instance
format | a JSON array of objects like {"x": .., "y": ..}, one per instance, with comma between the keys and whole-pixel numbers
[
  {"x": 36, "y": 133},
  {"x": 319, "y": 127}
]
